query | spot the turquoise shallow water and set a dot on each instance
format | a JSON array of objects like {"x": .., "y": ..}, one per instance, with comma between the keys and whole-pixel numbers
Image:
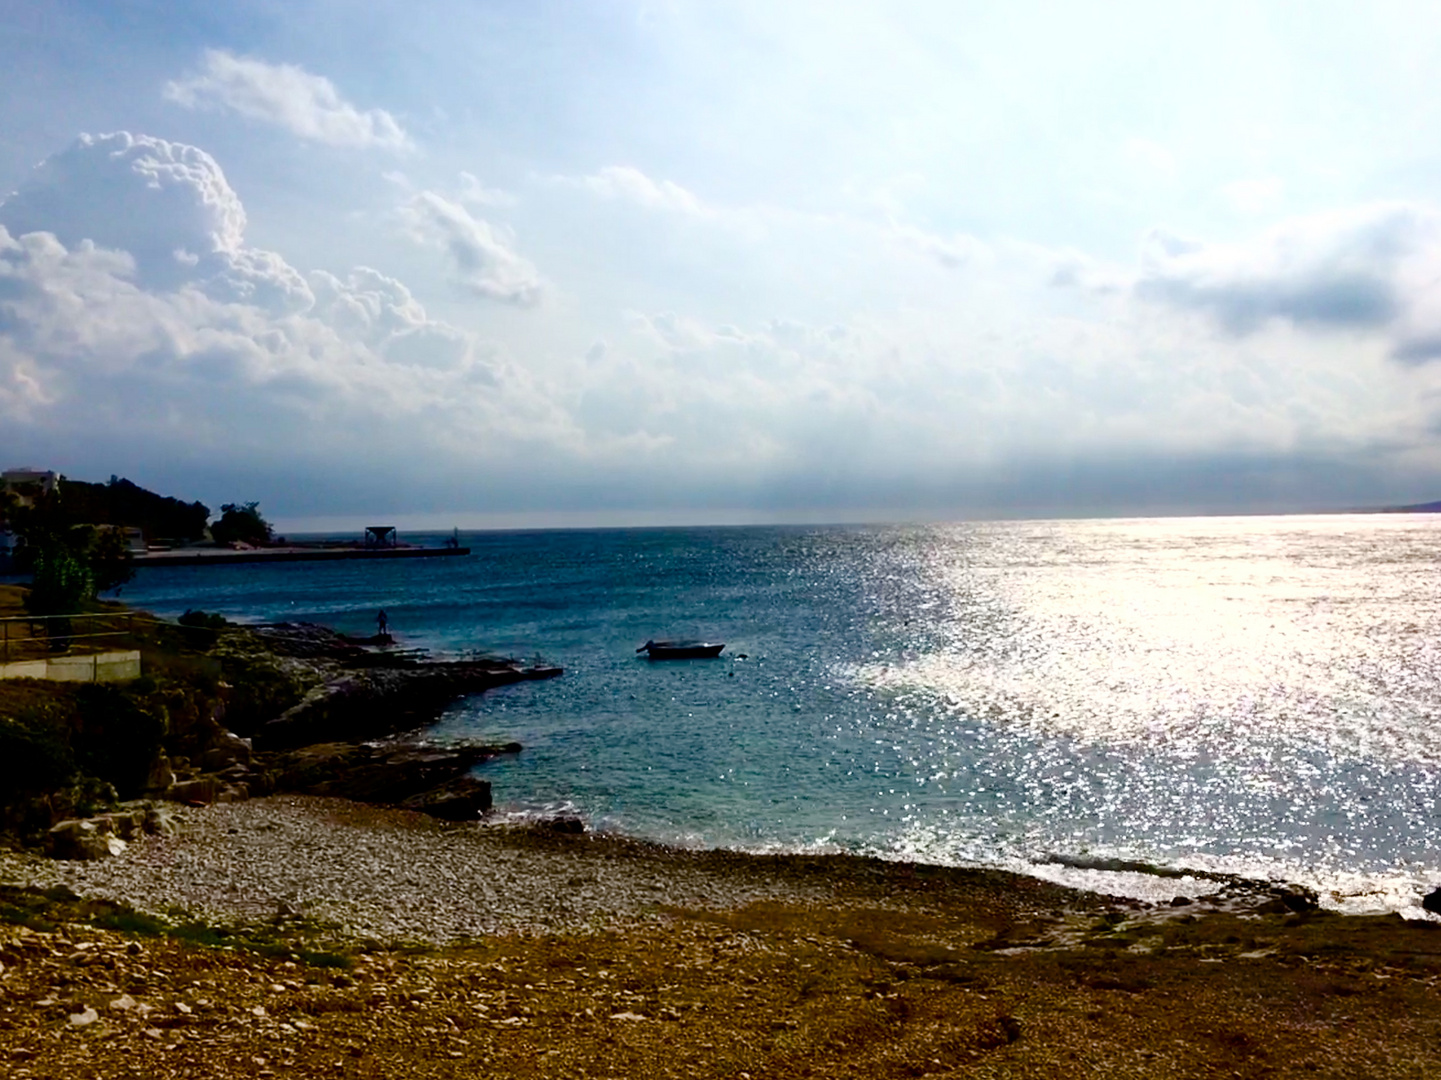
[{"x": 1255, "y": 695}]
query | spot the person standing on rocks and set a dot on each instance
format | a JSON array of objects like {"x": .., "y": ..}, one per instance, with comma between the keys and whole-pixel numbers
[{"x": 382, "y": 624}]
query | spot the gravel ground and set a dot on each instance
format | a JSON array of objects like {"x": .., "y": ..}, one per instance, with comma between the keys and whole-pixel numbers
[
  {"x": 601, "y": 957},
  {"x": 396, "y": 876}
]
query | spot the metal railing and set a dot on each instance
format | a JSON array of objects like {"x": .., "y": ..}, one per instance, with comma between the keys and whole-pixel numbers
[{"x": 19, "y": 639}]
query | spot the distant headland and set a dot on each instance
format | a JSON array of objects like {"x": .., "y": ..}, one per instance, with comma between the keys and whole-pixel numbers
[
  {"x": 1413, "y": 508},
  {"x": 124, "y": 523}
]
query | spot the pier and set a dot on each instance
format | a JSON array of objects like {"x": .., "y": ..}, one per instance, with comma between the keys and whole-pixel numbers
[{"x": 225, "y": 556}]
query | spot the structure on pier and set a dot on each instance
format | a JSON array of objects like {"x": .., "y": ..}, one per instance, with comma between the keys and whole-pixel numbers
[{"x": 381, "y": 536}]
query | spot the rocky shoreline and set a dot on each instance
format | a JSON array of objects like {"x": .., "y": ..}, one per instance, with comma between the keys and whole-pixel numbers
[{"x": 356, "y": 732}]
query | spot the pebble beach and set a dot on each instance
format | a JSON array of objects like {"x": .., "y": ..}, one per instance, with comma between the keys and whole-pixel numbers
[
  {"x": 396, "y": 876},
  {"x": 387, "y": 944}
]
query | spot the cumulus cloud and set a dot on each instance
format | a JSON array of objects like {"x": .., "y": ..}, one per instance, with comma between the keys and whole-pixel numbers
[
  {"x": 168, "y": 205},
  {"x": 287, "y": 96},
  {"x": 233, "y": 351},
  {"x": 480, "y": 255}
]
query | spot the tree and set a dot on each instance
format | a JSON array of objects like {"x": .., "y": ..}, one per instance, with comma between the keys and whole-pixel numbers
[
  {"x": 241, "y": 522},
  {"x": 111, "y": 563},
  {"x": 121, "y": 502},
  {"x": 69, "y": 564},
  {"x": 61, "y": 579}
]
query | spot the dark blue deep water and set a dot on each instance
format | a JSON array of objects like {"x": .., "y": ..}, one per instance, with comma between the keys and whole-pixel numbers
[{"x": 1257, "y": 695}]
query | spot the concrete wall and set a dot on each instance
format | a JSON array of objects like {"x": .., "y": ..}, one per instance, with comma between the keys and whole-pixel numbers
[{"x": 115, "y": 666}]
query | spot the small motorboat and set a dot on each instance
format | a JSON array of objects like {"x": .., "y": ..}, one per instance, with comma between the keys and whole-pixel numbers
[{"x": 681, "y": 650}]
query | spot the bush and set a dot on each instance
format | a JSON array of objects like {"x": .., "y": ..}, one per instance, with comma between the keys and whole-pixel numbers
[
  {"x": 212, "y": 621},
  {"x": 260, "y": 691},
  {"x": 61, "y": 582},
  {"x": 118, "y": 736},
  {"x": 34, "y": 757},
  {"x": 201, "y": 629},
  {"x": 111, "y": 564}
]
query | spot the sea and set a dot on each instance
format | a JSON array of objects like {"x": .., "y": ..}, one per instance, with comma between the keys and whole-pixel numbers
[{"x": 1102, "y": 703}]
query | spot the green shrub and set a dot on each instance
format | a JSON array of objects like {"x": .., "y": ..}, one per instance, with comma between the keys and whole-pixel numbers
[
  {"x": 201, "y": 629},
  {"x": 118, "y": 735},
  {"x": 33, "y": 757},
  {"x": 260, "y": 691}
]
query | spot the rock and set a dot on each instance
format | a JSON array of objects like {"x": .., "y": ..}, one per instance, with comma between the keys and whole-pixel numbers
[
  {"x": 1180, "y": 901},
  {"x": 228, "y": 750},
  {"x": 124, "y": 1003},
  {"x": 462, "y": 799},
  {"x": 83, "y": 839},
  {"x": 160, "y": 777},
  {"x": 1432, "y": 902},
  {"x": 159, "y": 821},
  {"x": 1299, "y": 900},
  {"x": 201, "y": 791},
  {"x": 126, "y": 824},
  {"x": 390, "y": 773},
  {"x": 84, "y": 1018},
  {"x": 380, "y": 701}
]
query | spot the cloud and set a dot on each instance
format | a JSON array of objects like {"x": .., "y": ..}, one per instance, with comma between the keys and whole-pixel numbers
[
  {"x": 474, "y": 193},
  {"x": 624, "y": 183},
  {"x": 164, "y": 203},
  {"x": 1372, "y": 269},
  {"x": 482, "y": 260},
  {"x": 233, "y": 354},
  {"x": 287, "y": 96},
  {"x": 953, "y": 251},
  {"x": 114, "y": 349}
]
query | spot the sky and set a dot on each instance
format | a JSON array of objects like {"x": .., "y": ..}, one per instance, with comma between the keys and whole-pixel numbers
[{"x": 638, "y": 262}]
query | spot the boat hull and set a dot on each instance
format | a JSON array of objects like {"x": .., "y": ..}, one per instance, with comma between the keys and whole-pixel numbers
[{"x": 703, "y": 651}]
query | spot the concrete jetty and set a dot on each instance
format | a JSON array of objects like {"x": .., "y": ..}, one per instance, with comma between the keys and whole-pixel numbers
[{"x": 224, "y": 556}]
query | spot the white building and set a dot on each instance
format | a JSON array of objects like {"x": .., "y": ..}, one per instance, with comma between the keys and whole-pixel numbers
[{"x": 27, "y": 481}]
